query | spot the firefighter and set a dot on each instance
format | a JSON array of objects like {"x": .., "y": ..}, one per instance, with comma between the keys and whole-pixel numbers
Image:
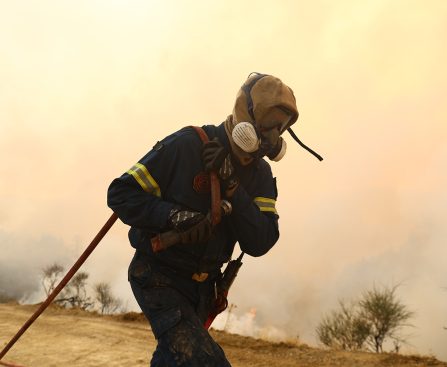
[{"x": 169, "y": 189}]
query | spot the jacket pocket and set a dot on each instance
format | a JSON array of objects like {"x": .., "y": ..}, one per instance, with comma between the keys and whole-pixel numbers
[{"x": 140, "y": 271}]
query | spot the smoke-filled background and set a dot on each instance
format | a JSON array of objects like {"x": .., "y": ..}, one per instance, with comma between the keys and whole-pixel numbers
[{"x": 87, "y": 87}]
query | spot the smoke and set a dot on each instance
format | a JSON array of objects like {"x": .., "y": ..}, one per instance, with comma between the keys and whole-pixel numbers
[
  {"x": 247, "y": 325},
  {"x": 88, "y": 88},
  {"x": 22, "y": 259},
  {"x": 400, "y": 242}
]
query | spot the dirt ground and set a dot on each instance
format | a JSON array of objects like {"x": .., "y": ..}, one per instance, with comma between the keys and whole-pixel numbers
[{"x": 76, "y": 338}]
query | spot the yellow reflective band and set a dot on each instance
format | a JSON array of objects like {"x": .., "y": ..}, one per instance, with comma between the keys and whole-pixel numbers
[
  {"x": 265, "y": 200},
  {"x": 265, "y": 204},
  {"x": 144, "y": 178}
]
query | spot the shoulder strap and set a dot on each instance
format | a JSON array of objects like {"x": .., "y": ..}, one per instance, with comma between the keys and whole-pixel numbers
[{"x": 216, "y": 214}]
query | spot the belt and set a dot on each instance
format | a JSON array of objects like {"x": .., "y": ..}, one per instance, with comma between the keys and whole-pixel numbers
[{"x": 164, "y": 267}]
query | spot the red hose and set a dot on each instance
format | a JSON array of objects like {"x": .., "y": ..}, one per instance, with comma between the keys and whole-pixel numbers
[
  {"x": 216, "y": 211},
  {"x": 9, "y": 364}
]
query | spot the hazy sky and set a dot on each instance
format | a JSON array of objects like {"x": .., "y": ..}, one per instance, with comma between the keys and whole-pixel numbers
[{"x": 87, "y": 87}]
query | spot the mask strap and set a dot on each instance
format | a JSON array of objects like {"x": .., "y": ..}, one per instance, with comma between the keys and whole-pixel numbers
[
  {"x": 291, "y": 132},
  {"x": 247, "y": 89}
]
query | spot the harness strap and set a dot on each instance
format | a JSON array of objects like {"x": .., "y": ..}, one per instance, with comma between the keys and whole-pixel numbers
[{"x": 216, "y": 214}]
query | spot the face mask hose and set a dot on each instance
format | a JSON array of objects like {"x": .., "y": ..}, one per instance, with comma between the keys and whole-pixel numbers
[{"x": 319, "y": 157}]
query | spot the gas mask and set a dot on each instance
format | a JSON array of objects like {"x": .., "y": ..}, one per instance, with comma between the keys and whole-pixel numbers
[
  {"x": 275, "y": 108},
  {"x": 247, "y": 137}
]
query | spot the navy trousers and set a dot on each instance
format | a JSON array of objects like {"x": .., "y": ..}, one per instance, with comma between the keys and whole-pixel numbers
[{"x": 176, "y": 320}]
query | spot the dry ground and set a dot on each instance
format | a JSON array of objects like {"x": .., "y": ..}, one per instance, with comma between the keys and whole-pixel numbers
[{"x": 75, "y": 338}]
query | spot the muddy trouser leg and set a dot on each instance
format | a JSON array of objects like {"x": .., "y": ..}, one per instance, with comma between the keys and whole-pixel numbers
[{"x": 182, "y": 339}]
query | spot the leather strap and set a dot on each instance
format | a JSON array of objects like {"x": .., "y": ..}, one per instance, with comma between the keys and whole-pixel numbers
[{"x": 216, "y": 214}]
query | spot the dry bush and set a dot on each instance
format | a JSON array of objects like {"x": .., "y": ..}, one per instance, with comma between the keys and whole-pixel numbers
[
  {"x": 51, "y": 275},
  {"x": 344, "y": 329},
  {"x": 75, "y": 293},
  {"x": 378, "y": 316},
  {"x": 386, "y": 316},
  {"x": 108, "y": 303}
]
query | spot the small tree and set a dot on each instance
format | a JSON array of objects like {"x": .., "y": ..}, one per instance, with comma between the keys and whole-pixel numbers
[
  {"x": 108, "y": 303},
  {"x": 344, "y": 329},
  {"x": 51, "y": 274},
  {"x": 378, "y": 316},
  {"x": 385, "y": 315},
  {"x": 78, "y": 287},
  {"x": 75, "y": 293}
]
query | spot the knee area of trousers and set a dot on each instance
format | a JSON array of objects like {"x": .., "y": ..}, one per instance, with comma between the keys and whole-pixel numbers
[{"x": 186, "y": 346}]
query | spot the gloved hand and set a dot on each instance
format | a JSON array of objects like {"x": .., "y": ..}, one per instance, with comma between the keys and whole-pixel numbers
[
  {"x": 192, "y": 226},
  {"x": 216, "y": 158}
]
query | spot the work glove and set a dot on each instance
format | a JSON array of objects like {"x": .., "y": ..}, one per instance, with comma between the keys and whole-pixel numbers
[
  {"x": 216, "y": 158},
  {"x": 192, "y": 226}
]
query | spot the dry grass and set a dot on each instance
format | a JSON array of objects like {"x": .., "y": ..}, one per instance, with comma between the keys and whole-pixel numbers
[{"x": 72, "y": 337}]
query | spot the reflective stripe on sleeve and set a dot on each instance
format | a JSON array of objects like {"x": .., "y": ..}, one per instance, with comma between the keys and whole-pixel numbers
[
  {"x": 144, "y": 178},
  {"x": 266, "y": 204}
]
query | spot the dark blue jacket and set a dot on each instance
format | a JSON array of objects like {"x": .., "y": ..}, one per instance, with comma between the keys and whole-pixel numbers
[{"x": 144, "y": 195}]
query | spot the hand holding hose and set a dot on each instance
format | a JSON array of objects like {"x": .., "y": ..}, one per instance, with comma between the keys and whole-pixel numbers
[
  {"x": 192, "y": 226},
  {"x": 188, "y": 227},
  {"x": 216, "y": 158}
]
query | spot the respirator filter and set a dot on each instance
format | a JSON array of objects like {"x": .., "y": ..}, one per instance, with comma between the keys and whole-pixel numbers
[
  {"x": 245, "y": 137},
  {"x": 278, "y": 151}
]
